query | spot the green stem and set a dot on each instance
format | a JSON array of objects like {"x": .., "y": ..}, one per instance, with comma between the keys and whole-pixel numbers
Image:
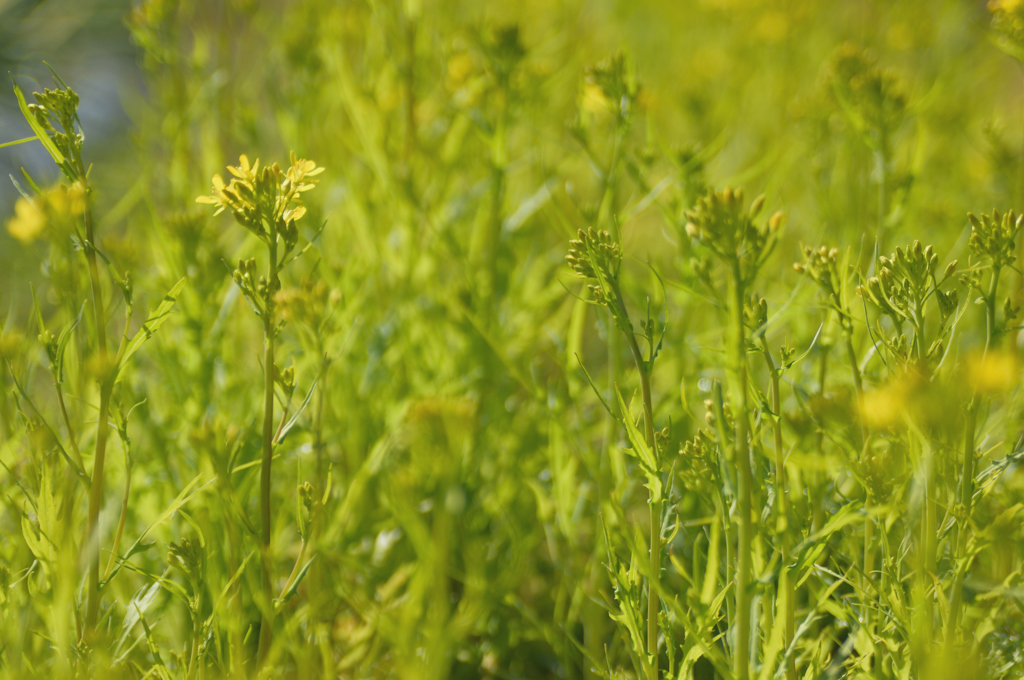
[
  {"x": 967, "y": 475},
  {"x": 268, "y": 453},
  {"x": 193, "y": 657},
  {"x": 92, "y": 541},
  {"x": 785, "y": 594},
  {"x": 67, "y": 423},
  {"x": 966, "y": 494},
  {"x": 741, "y": 658},
  {"x": 655, "y": 504},
  {"x": 869, "y": 525},
  {"x": 120, "y": 522}
]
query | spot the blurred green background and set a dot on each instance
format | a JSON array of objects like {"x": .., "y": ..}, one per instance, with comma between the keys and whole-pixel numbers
[{"x": 464, "y": 143}]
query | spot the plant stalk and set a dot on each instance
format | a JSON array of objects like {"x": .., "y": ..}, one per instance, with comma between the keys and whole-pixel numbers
[
  {"x": 785, "y": 593},
  {"x": 91, "y": 545},
  {"x": 967, "y": 475},
  {"x": 741, "y": 657},
  {"x": 655, "y": 505},
  {"x": 268, "y": 452}
]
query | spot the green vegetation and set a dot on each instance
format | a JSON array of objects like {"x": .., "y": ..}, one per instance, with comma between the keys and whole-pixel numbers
[{"x": 760, "y": 433}]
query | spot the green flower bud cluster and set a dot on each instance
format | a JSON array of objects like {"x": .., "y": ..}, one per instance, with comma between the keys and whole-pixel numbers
[
  {"x": 594, "y": 255},
  {"x": 189, "y": 557},
  {"x": 698, "y": 468},
  {"x": 308, "y": 497},
  {"x": 712, "y": 419},
  {"x": 58, "y": 109},
  {"x": 872, "y": 97},
  {"x": 1010, "y": 310},
  {"x": 993, "y": 236},
  {"x": 755, "y": 314},
  {"x": 254, "y": 287},
  {"x": 285, "y": 380},
  {"x": 720, "y": 222},
  {"x": 904, "y": 279}
]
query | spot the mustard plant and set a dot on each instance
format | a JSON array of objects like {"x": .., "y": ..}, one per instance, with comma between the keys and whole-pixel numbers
[
  {"x": 55, "y": 124},
  {"x": 267, "y": 202},
  {"x": 722, "y": 224},
  {"x": 595, "y": 255}
]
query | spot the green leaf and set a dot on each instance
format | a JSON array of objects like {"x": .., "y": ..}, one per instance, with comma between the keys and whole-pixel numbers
[
  {"x": 155, "y": 320},
  {"x": 17, "y": 141},
  {"x": 594, "y": 387},
  {"x": 179, "y": 502},
  {"x": 286, "y": 595},
  {"x": 295, "y": 416},
  {"x": 811, "y": 547},
  {"x": 62, "y": 342},
  {"x": 138, "y": 605}
]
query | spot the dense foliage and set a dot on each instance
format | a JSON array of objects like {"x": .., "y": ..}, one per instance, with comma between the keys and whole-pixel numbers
[{"x": 501, "y": 374}]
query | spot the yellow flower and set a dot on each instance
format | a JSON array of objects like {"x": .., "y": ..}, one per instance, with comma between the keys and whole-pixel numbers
[
  {"x": 993, "y": 373},
  {"x": 1008, "y": 6},
  {"x": 884, "y": 406},
  {"x": 28, "y": 221}
]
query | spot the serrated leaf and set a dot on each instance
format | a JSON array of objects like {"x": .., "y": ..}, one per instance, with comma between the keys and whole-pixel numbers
[{"x": 648, "y": 460}]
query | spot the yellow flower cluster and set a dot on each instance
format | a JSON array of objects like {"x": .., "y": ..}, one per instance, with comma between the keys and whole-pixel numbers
[{"x": 262, "y": 199}]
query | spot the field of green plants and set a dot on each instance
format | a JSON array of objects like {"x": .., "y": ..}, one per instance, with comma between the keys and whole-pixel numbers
[{"x": 563, "y": 339}]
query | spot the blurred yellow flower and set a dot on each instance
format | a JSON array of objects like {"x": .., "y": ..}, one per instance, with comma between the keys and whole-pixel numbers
[
  {"x": 68, "y": 201},
  {"x": 593, "y": 100},
  {"x": 882, "y": 407},
  {"x": 993, "y": 372},
  {"x": 1007, "y": 6},
  {"x": 28, "y": 221}
]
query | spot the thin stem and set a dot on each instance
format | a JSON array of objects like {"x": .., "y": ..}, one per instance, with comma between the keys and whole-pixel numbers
[
  {"x": 67, "y": 423},
  {"x": 193, "y": 657},
  {"x": 869, "y": 525},
  {"x": 966, "y": 494},
  {"x": 784, "y": 595},
  {"x": 120, "y": 523},
  {"x": 741, "y": 658},
  {"x": 655, "y": 504},
  {"x": 268, "y": 452},
  {"x": 92, "y": 543},
  {"x": 967, "y": 475}
]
